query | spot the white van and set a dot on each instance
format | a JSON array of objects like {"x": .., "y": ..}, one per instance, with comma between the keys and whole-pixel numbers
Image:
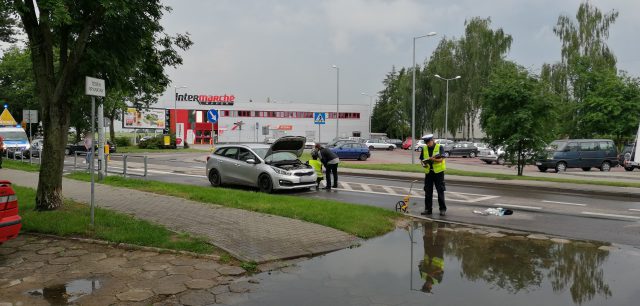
[{"x": 15, "y": 140}]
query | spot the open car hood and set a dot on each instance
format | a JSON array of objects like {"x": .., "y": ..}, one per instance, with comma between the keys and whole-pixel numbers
[{"x": 293, "y": 144}]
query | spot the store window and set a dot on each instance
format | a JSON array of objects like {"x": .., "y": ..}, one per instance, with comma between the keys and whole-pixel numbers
[{"x": 199, "y": 116}]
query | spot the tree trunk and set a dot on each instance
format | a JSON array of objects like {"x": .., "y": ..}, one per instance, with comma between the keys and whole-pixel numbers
[{"x": 112, "y": 130}]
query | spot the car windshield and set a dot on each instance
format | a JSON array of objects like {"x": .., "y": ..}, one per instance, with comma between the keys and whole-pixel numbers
[
  {"x": 13, "y": 135},
  {"x": 262, "y": 152},
  {"x": 556, "y": 145}
]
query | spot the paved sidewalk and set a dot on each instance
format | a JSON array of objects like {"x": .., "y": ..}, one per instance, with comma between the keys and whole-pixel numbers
[{"x": 246, "y": 235}]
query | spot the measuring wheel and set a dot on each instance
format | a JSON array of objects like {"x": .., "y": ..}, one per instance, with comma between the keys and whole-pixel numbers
[{"x": 401, "y": 206}]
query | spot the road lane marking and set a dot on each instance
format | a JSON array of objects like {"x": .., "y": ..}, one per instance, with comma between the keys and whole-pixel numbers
[
  {"x": 517, "y": 206},
  {"x": 489, "y": 197},
  {"x": 609, "y": 215},
  {"x": 632, "y": 209},
  {"x": 564, "y": 203},
  {"x": 365, "y": 187},
  {"x": 389, "y": 190},
  {"x": 346, "y": 186}
]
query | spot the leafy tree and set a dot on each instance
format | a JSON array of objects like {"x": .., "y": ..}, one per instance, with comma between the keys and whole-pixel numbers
[
  {"x": 611, "y": 107},
  {"x": 70, "y": 39},
  {"x": 518, "y": 113},
  {"x": 17, "y": 86},
  {"x": 583, "y": 48}
]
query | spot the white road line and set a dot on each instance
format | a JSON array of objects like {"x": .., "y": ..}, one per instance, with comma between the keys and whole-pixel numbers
[
  {"x": 632, "y": 209},
  {"x": 483, "y": 198},
  {"x": 346, "y": 186},
  {"x": 389, "y": 190},
  {"x": 365, "y": 187},
  {"x": 564, "y": 203},
  {"x": 609, "y": 215},
  {"x": 517, "y": 206}
]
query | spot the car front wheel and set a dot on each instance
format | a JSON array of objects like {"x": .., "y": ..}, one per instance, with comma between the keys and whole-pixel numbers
[
  {"x": 628, "y": 168},
  {"x": 561, "y": 167},
  {"x": 265, "y": 184},
  {"x": 606, "y": 166},
  {"x": 390, "y": 148},
  {"x": 500, "y": 161},
  {"x": 214, "y": 178},
  {"x": 472, "y": 154},
  {"x": 542, "y": 169}
]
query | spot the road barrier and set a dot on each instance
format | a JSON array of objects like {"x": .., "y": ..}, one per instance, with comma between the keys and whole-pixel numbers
[{"x": 124, "y": 171}]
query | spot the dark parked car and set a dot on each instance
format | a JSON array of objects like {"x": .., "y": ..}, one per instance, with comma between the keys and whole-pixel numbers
[
  {"x": 79, "y": 147},
  {"x": 464, "y": 149},
  {"x": 397, "y": 142},
  {"x": 352, "y": 150},
  {"x": 580, "y": 153}
]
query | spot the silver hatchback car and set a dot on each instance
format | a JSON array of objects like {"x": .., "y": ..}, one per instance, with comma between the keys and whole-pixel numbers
[{"x": 268, "y": 167}]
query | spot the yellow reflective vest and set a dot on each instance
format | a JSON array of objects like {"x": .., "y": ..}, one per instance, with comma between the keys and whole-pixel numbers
[
  {"x": 437, "y": 166},
  {"x": 317, "y": 166}
]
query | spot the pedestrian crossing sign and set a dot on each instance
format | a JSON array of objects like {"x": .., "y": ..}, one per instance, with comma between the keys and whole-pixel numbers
[{"x": 319, "y": 118}]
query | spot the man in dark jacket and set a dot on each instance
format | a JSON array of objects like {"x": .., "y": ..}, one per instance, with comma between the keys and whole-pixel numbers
[{"x": 330, "y": 161}]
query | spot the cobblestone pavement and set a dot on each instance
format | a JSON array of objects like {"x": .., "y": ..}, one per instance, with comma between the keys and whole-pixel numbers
[
  {"x": 44, "y": 271},
  {"x": 246, "y": 235}
]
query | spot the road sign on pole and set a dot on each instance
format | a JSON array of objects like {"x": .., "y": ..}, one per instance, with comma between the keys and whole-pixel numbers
[
  {"x": 93, "y": 87},
  {"x": 319, "y": 118},
  {"x": 212, "y": 115}
]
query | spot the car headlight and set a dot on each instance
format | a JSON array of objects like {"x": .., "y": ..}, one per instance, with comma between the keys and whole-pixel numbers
[{"x": 280, "y": 171}]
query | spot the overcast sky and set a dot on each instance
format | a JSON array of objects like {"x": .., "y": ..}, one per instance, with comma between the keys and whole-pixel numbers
[{"x": 284, "y": 49}]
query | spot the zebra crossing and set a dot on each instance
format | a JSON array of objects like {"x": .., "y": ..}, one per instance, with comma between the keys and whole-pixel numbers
[{"x": 416, "y": 192}]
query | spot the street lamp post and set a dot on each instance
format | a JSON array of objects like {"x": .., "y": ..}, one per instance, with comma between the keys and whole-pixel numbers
[
  {"x": 337, "y": 99},
  {"x": 446, "y": 106},
  {"x": 370, "y": 110},
  {"x": 413, "y": 99}
]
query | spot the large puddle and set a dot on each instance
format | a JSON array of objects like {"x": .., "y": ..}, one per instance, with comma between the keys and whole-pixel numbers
[
  {"x": 63, "y": 294},
  {"x": 446, "y": 265}
]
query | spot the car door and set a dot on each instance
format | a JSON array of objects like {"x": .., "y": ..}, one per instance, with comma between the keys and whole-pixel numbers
[
  {"x": 227, "y": 164},
  {"x": 571, "y": 155},
  {"x": 588, "y": 154},
  {"x": 247, "y": 173}
]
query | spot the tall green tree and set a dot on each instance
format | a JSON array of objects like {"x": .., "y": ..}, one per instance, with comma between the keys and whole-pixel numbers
[
  {"x": 518, "y": 113},
  {"x": 584, "y": 47},
  {"x": 17, "y": 86},
  {"x": 88, "y": 36}
]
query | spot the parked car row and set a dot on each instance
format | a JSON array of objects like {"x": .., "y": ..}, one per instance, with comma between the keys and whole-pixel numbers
[{"x": 79, "y": 147}]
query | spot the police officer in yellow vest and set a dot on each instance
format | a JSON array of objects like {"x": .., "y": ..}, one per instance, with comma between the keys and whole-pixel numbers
[
  {"x": 432, "y": 159},
  {"x": 432, "y": 266}
]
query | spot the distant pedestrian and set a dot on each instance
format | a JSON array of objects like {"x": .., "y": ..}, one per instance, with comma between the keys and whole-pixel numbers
[
  {"x": 432, "y": 159},
  {"x": 88, "y": 146},
  {"x": 317, "y": 166},
  {"x": 330, "y": 161},
  {"x": 1, "y": 150}
]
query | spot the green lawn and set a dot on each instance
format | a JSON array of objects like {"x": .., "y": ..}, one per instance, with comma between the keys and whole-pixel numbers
[
  {"x": 360, "y": 220},
  {"x": 419, "y": 169},
  {"x": 20, "y": 165},
  {"x": 135, "y": 149},
  {"x": 73, "y": 220}
]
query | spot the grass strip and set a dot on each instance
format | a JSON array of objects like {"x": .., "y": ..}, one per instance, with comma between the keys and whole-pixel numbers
[
  {"x": 498, "y": 176},
  {"x": 360, "y": 220},
  {"x": 73, "y": 220},
  {"x": 20, "y": 165}
]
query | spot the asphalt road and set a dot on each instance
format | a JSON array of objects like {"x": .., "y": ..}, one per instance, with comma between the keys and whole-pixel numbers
[{"x": 611, "y": 219}]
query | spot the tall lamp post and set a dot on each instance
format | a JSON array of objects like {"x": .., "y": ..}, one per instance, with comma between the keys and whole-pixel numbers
[
  {"x": 446, "y": 106},
  {"x": 413, "y": 99},
  {"x": 337, "y": 99},
  {"x": 370, "y": 110}
]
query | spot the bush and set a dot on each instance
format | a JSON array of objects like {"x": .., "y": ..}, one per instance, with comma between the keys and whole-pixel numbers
[
  {"x": 158, "y": 143},
  {"x": 123, "y": 141}
]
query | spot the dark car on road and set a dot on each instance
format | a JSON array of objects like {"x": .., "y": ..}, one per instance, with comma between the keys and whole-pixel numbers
[
  {"x": 579, "y": 153},
  {"x": 397, "y": 142},
  {"x": 10, "y": 221},
  {"x": 464, "y": 149},
  {"x": 352, "y": 150},
  {"x": 79, "y": 147}
]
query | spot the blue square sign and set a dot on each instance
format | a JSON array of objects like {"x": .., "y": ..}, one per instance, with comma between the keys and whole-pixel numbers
[{"x": 319, "y": 118}]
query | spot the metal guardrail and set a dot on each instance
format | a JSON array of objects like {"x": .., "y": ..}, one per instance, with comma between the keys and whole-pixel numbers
[
  {"x": 20, "y": 155},
  {"x": 125, "y": 168}
]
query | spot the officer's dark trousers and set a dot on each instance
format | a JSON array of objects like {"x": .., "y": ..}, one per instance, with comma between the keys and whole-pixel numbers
[{"x": 430, "y": 180}]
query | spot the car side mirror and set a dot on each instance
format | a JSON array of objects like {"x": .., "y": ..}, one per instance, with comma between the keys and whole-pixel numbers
[{"x": 252, "y": 161}]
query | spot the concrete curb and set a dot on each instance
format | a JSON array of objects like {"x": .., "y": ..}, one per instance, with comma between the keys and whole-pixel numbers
[{"x": 610, "y": 191}]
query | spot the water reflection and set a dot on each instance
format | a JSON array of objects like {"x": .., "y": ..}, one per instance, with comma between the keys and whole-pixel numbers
[
  {"x": 445, "y": 265},
  {"x": 511, "y": 264}
]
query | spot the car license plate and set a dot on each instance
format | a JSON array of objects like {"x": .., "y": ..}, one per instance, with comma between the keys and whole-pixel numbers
[
  {"x": 538, "y": 164},
  {"x": 306, "y": 179}
]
